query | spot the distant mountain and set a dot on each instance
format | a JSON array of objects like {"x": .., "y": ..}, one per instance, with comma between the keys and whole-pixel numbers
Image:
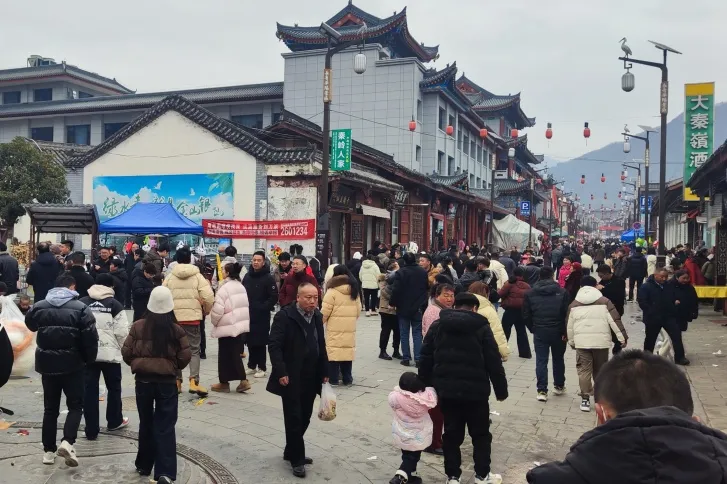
[{"x": 607, "y": 160}]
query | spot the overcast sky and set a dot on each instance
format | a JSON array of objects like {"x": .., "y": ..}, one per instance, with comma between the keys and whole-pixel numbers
[{"x": 562, "y": 54}]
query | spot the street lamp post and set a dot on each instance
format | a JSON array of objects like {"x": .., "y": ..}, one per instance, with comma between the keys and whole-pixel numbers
[
  {"x": 627, "y": 84},
  {"x": 647, "y": 157},
  {"x": 493, "y": 166},
  {"x": 530, "y": 215}
]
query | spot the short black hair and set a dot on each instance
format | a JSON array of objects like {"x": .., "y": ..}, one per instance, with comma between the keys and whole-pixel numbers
[
  {"x": 410, "y": 382},
  {"x": 301, "y": 258},
  {"x": 65, "y": 280},
  {"x": 635, "y": 379},
  {"x": 260, "y": 253},
  {"x": 639, "y": 249},
  {"x": 409, "y": 258},
  {"x": 604, "y": 269},
  {"x": 163, "y": 247},
  {"x": 150, "y": 268},
  {"x": 184, "y": 255},
  {"x": 588, "y": 281},
  {"x": 231, "y": 251},
  {"x": 67, "y": 243},
  {"x": 3, "y": 247},
  {"x": 140, "y": 252},
  {"x": 484, "y": 261},
  {"x": 425, "y": 256},
  {"x": 78, "y": 258},
  {"x": 440, "y": 288},
  {"x": 115, "y": 261},
  {"x": 546, "y": 273},
  {"x": 518, "y": 272},
  {"x": 470, "y": 265},
  {"x": 43, "y": 247},
  {"x": 465, "y": 300},
  {"x": 105, "y": 279},
  {"x": 284, "y": 256}
]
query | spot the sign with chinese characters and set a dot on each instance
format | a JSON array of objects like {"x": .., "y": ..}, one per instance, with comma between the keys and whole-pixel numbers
[
  {"x": 260, "y": 229},
  {"x": 327, "y": 85},
  {"x": 341, "y": 149},
  {"x": 196, "y": 196},
  {"x": 698, "y": 131}
]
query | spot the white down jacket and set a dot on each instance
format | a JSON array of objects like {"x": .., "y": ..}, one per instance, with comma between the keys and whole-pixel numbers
[
  {"x": 230, "y": 314},
  {"x": 112, "y": 324},
  {"x": 591, "y": 318}
]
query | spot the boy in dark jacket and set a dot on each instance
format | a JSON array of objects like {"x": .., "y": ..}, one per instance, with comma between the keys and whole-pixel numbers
[
  {"x": 83, "y": 279},
  {"x": 460, "y": 358},
  {"x": 613, "y": 288},
  {"x": 67, "y": 341}
]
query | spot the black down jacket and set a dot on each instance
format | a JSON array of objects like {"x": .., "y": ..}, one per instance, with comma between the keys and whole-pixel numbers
[
  {"x": 545, "y": 307},
  {"x": 410, "y": 291},
  {"x": 42, "y": 274},
  {"x": 649, "y": 446},
  {"x": 262, "y": 292},
  {"x": 636, "y": 266},
  {"x": 67, "y": 337}
]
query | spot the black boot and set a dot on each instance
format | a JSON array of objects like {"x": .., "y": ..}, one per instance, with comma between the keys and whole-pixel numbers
[
  {"x": 384, "y": 356},
  {"x": 396, "y": 355}
]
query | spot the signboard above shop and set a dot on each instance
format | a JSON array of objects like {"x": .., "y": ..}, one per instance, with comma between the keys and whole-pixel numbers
[
  {"x": 260, "y": 229},
  {"x": 698, "y": 131},
  {"x": 341, "y": 150}
]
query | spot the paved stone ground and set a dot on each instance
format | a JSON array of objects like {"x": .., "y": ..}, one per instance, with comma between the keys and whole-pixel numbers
[{"x": 243, "y": 434}]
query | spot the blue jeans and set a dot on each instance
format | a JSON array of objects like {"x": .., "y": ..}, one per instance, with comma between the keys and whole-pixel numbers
[
  {"x": 415, "y": 325},
  {"x": 546, "y": 343}
]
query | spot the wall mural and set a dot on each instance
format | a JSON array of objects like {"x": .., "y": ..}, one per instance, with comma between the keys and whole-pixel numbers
[{"x": 196, "y": 196}]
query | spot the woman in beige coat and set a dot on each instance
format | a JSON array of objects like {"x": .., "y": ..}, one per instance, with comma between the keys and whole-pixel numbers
[
  {"x": 482, "y": 291},
  {"x": 341, "y": 308}
]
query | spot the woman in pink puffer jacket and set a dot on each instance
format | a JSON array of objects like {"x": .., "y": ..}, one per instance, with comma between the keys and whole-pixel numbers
[{"x": 230, "y": 317}]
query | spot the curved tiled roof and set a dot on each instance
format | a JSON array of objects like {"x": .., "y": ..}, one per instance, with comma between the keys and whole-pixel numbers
[
  {"x": 353, "y": 11},
  {"x": 54, "y": 70},
  {"x": 450, "y": 180},
  {"x": 485, "y": 101},
  {"x": 62, "y": 153},
  {"x": 228, "y": 131}
]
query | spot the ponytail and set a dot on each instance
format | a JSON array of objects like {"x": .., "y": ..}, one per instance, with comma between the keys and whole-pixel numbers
[{"x": 233, "y": 270}]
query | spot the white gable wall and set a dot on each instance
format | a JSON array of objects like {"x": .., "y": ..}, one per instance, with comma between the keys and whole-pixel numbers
[{"x": 173, "y": 145}]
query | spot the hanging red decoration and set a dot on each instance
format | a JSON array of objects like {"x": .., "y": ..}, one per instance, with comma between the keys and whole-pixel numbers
[
  {"x": 623, "y": 175},
  {"x": 619, "y": 194},
  {"x": 450, "y": 130},
  {"x": 412, "y": 125},
  {"x": 614, "y": 205},
  {"x": 513, "y": 133},
  {"x": 549, "y": 131},
  {"x": 603, "y": 178},
  {"x": 538, "y": 180},
  {"x": 586, "y": 130},
  {"x": 583, "y": 179},
  {"x": 483, "y": 133},
  {"x": 592, "y": 197},
  {"x": 605, "y": 196}
]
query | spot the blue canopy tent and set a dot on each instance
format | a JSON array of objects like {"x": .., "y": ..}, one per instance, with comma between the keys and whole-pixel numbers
[
  {"x": 629, "y": 235},
  {"x": 151, "y": 218}
]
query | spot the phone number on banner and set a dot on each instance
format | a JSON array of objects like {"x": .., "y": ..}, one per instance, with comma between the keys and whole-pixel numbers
[{"x": 270, "y": 229}]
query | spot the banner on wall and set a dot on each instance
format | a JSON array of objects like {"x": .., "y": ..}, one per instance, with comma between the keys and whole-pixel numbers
[
  {"x": 699, "y": 130},
  {"x": 261, "y": 229}
]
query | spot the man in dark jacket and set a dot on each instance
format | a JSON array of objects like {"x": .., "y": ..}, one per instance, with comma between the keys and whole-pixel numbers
[
  {"x": 409, "y": 295},
  {"x": 121, "y": 279},
  {"x": 620, "y": 265},
  {"x": 103, "y": 263},
  {"x": 460, "y": 358},
  {"x": 544, "y": 311},
  {"x": 156, "y": 256},
  {"x": 470, "y": 274},
  {"x": 509, "y": 264},
  {"x": 613, "y": 288},
  {"x": 142, "y": 283},
  {"x": 67, "y": 341},
  {"x": 657, "y": 302},
  {"x": 9, "y": 273},
  {"x": 646, "y": 432},
  {"x": 636, "y": 270},
  {"x": 262, "y": 292},
  {"x": 83, "y": 279},
  {"x": 129, "y": 264},
  {"x": 300, "y": 366},
  {"x": 292, "y": 281},
  {"x": 43, "y": 272}
]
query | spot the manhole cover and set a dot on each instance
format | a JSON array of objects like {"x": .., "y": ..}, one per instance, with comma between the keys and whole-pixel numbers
[{"x": 128, "y": 403}]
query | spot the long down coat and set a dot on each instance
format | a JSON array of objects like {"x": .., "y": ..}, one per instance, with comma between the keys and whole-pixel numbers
[{"x": 340, "y": 313}]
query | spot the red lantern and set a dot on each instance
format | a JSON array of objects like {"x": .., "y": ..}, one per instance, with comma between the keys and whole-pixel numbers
[
  {"x": 605, "y": 196},
  {"x": 549, "y": 131},
  {"x": 592, "y": 197},
  {"x": 603, "y": 178},
  {"x": 513, "y": 133},
  {"x": 586, "y": 131},
  {"x": 619, "y": 194},
  {"x": 412, "y": 125},
  {"x": 538, "y": 180},
  {"x": 583, "y": 179},
  {"x": 483, "y": 133},
  {"x": 623, "y": 175},
  {"x": 614, "y": 205},
  {"x": 450, "y": 130}
]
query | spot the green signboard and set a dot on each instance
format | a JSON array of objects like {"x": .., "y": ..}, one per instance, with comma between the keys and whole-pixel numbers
[
  {"x": 698, "y": 131},
  {"x": 341, "y": 149}
]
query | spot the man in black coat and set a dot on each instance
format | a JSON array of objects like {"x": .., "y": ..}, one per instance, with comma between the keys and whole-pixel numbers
[
  {"x": 300, "y": 366},
  {"x": 544, "y": 311},
  {"x": 103, "y": 263},
  {"x": 43, "y": 272},
  {"x": 129, "y": 265},
  {"x": 121, "y": 279},
  {"x": 142, "y": 283},
  {"x": 262, "y": 292},
  {"x": 409, "y": 295},
  {"x": 83, "y": 279},
  {"x": 470, "y": 274},
  {"x": 614, "y": 289},
  {"x": 9, "y": 273},
  {"x": 646, "y": 434},
  {"x": 67, "y": 341},
  {"x": 657, "y": 303},
  {"x": 460, "y": 358},
  {"x": 636, "y": 269}
]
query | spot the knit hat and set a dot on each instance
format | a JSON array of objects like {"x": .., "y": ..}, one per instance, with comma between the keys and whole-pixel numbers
[{"x": 160, "y": 301}]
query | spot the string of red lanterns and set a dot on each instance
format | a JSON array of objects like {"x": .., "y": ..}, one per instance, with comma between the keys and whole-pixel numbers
[
  {"x": 603, "y": 178},
  {"x": 583, "y": 179}
]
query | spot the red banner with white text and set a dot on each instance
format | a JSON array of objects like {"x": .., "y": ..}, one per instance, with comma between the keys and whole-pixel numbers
[{"x": 260, "y": 229}]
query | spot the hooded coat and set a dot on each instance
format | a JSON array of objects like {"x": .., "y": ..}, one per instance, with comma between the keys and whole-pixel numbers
[
  {"x": 410, "y": 291},
  {"x": 42, "y": 275},
  {"x": 121, "y": 279},
  {"x": 500, "y": 272},
  {"x": 230, "y": 315},
  {"x": 369, "y": 274},
  {"x": 188, "y": 287},
  {"x": 412, "y": 426},
  {"x": 688, "y": 307},
  {"x": 385, "y": 286},
  {"x": 340, "y": 313},
  {"x": 112, "y": 325},
  {"x": 660, "y": 445},
  {"x": 488, "y": 311},
  {"x": 637, "y": 266},
  {"x": 591, "y": 318},
  {"x": 656, "y": 301},
  {"x": 695, "y": 272},
  {"x": 141, "y": 288}
]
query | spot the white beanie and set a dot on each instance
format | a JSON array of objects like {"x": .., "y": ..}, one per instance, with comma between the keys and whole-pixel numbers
[
  {"x": 357, "y": 255},
  {"x": 160, "y": 301}
]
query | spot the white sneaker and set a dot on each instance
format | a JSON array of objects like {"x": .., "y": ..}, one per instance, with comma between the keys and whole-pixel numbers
[
  {"x": 67, "y": 451},
  {"x": 490, "y": 479},
  {"x": 260, "y": 374},
  {"x": 368, "y": 314},
  {"x": 453, "y": 480},
  {"x": 49, "y": 458},
  {"x": 586, "y": 405},
  {"x": 250, "y": 371},
  {"x": 124, "y": 423},
  {"x": 558, "y": 390},
  {"x": 542, "y": 396}
]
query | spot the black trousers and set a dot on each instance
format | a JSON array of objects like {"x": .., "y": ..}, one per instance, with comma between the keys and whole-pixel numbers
[
  {"x": 616, "y": 344},
  {"x": 514, "y": 317},
  {"x": 257, "y": 357},
  {"x": 371, "y": 299},
  {"x": 297, "y": 411},
  {"x": 476, "y": 416},
  {"x": 672, "y": 329},
  {"x": 202, "y": 339},
  {"x": 389, "y": 325},
  {"x": 71, "y": 384},
  {"x": 409, "y": 461},
  {"x": 112, "y": 379},
  {"x": 127, "y": 295},
  {"x": 157, "y": 404},
  {"x": 634, "y": 282}
]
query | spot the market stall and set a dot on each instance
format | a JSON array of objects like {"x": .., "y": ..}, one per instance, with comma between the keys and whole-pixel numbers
[
  {"x": 511, "y": 232},
  {"x": 47, "y": 218}
]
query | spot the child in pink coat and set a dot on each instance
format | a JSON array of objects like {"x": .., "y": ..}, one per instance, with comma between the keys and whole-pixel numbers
[{"x": 412, "y": 426}]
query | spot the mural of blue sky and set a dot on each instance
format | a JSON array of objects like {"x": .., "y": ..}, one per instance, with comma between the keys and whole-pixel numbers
[{"x": 197, "y": 196}]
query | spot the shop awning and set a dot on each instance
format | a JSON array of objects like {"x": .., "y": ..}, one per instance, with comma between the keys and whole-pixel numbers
[{"x": 375, "y": 212}]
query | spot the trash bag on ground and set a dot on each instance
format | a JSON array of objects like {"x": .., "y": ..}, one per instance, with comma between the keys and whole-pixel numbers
[
  {"x": 21, "y": 338},
  {"x": 327, "y": 409}
]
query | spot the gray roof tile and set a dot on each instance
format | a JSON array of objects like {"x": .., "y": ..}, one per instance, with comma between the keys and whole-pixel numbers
[{"x": 40, "y": 72}]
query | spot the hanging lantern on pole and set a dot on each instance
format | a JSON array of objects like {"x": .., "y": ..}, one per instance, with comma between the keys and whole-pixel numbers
[
  {"x": 549, "y": 131},
  {"x": 583, "y": 179},
  {"x": 605, "y": 196},
  {"x": 592, "y": 197},
  {"x": 450, "y": 130},
  {"x": 586, "y": 131},
  {"x": 412, "y": 125},
  {"x": 513, "y": 133},
  {"x": 619, "y": 194},
  {"x": 483, "y": 133},
  {"x": 624, "y": 174},
  {"x": 627, "y": 145},
  {"x": 603, "y": 178}
]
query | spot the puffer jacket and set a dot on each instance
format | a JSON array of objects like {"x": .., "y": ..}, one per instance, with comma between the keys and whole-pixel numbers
[
  {"x": 488, "y": 311},
  {"x": 369, "y": 275},
  {"x": 385, "y": 287},
  {"x": 591, "y": 318},
  {"x": 545, "y": 308},
  {"x": 431, "y": 314},
  {"x": 188, "y": 287},
  {"x": 500, "y": 271},
  {"x": 153, "y": 257},
  {"x": 586, "y": 261},
  {"x": 9, "y": 273},
  {"x": 513, "y": 294},
  {"x": 230, "y": 314},
  {"x": 412, "y": 427},
  {"x": 289, "y": 290},
  {"x": 67, "y": 337},
  {"x": 340, "y": 314},
  {"x": 42, "y": 275},
  {"x": 111, "y": 322},
  {"x": 215, "y": 276},
  {"x": 137, "y": 353},
  {"x": 636, "y": 266}
]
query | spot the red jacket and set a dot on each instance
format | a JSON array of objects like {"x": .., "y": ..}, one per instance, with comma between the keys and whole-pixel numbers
[
  {"x": 695, "y": 272},
  {"x": 513, "y": 295},
  {"x": 289, "y": 287}
]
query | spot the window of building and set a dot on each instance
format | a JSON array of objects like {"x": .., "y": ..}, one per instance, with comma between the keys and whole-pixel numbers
[
  {"x": 83, "y": 95},
  {"x": 466, "y": 143},
  {"x": 440, "y": 162},
  {"x": 11, "y": 97},
  {"x": 479, "y": 183},
  {"x": 276, "y": 117},
  {"x": 42, "y": 134},
  {"x": 419, "y": 110},
  {"x": 473, "y": 149},
  {"x": 254, "y": 121},
  {"x": 419, "y": 153},
  {"x": 472, "y": 181},
  {"x": 42, "y": 94},
  {"x": 79, "y": 134},
  {"x": 395, "y": 226},
  {"x": 459, "y": 139},
  {"x": 451, "y": 121},
  {"x": 479, "y": 153},
  {"x": 110, "y": 129},
  {"x": 442, "y": 119},
  {"x": 450, "y": 165}
]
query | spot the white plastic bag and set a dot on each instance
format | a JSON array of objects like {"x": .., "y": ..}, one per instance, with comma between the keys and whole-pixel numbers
[
  {"x": 21, "y": 338},
  {"x": 327, "y": 409}
]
